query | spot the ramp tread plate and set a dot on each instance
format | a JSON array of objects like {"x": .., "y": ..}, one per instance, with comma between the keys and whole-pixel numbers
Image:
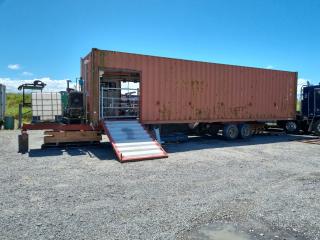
[
  {"x": 131, "y": 141},
  {"x": 128, "y": 140},
  {"x": 141, "y": 153},
  {"x": 136, "y": 148},
  {"x": 125, "y": 126},
  {"x": 121, "y": 130},
  {"x": 122, "y": 122},
  {"x": 134, "y": 144}
]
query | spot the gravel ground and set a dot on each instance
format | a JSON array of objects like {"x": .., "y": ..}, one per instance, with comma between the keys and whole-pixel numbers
[{"x": 267, "y": 187}]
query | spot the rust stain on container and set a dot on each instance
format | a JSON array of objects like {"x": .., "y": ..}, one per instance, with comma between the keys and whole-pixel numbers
[{"x": 182, "y": 91}]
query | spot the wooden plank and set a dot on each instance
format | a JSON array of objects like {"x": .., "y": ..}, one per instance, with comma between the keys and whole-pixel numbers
[
  {"x": 71, "y": 136},
  {"x": 57, "y": 127},
  {"x": 71, "y": 133},
  {"x": 60, "y": 140}
]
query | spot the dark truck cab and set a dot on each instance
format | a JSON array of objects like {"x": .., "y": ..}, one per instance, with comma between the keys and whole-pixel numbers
[
  {"x": 310, "y": 102},
  {"x": 308, "y": 118}
]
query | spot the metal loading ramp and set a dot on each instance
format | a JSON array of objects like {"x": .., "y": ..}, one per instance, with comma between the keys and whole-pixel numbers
[{"x": 132, "y": 142}]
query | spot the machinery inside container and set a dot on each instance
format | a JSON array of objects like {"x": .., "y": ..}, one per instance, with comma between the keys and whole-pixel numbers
[{"x": 119, "y": 94}]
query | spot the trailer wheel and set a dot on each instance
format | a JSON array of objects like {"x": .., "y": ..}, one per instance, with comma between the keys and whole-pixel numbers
[
  {"x": 230, "y": 131},
  {"x": 245, "y": 131},
  {"x": 316, "y": 128},
  {"x": 291, "y": 127}
]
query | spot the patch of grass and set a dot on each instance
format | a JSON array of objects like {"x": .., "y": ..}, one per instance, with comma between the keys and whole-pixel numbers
[
  {"x": 12, "y": 106},
  {"x": 298, "y": 107}
]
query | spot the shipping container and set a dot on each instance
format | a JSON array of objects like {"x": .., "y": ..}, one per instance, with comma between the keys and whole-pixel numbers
[
  {"x": 160, "y": 90},
  {"x": 2, "y": 101}
]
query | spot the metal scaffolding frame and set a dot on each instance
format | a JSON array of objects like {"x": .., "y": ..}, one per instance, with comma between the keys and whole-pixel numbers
[{"x": 123, "y": 102}]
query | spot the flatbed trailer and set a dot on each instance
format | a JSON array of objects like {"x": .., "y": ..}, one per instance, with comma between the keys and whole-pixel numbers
[
  {"x": 58, "y": 133},
  {"x": 138, "y": 99}
]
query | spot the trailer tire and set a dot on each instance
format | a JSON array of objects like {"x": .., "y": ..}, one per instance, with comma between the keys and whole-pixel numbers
[
  {"x": 245, "y": 131},
  {"x": 316, "y": 128},
  {"x": 230, "y": 131},
  {"x": 291, "y": 127}
]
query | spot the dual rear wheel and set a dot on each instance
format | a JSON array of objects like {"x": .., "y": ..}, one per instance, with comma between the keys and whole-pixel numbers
[
  {"x": 316, "y": 128},
  {"x": 291, "y": 127},
  {"x": 233, "y": 131}
]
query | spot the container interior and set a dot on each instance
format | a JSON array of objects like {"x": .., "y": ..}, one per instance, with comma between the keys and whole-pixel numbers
[{"x": 119, "y": 94}]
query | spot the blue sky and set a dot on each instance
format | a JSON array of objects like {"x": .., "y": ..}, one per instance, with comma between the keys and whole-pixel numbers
[{"x": 43, "y": 39}]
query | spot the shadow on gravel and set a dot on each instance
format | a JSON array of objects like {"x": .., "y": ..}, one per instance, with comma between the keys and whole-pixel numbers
[
  {"x": 205, "y": 142},
  {"x": 45, "y": 153},
  {"x": 102, "y": 151}
]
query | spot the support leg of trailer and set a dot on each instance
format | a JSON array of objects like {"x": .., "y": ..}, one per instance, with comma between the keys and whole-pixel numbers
[
  {"x": 20, "y": 115},
  {"x": 23, "y": 140},
  {"x": 157, "y": 133}
]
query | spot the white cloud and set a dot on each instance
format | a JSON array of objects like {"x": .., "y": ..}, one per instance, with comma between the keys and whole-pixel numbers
[
  {"x": 27, "y": 73},
  {"x": 269, "y": 67},
  {"x": 14, "y": 66},
  {"x": 52, "y": 85}
]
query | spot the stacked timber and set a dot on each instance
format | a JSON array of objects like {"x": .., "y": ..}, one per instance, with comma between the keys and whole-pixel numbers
[{"x": 58, "y": 137}]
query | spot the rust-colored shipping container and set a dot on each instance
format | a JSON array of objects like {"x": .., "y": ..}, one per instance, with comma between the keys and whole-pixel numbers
[{"x": 183, "y": 91}]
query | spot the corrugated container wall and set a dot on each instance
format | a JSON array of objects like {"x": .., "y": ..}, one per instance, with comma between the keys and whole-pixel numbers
[
  {"x": 181, "y": 91},
  {"x": 2, "y": 101}
]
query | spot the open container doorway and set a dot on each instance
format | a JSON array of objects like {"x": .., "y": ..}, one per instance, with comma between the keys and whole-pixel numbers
[{"x": 119, "y": 94}]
